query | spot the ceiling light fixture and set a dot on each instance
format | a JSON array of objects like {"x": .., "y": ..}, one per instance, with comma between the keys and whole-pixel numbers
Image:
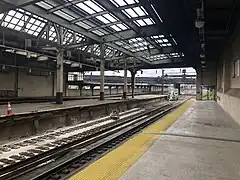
[{"x": 199, "y": 23}]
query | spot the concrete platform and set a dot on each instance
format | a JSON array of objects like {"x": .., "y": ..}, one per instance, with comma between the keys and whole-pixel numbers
[
  {"x": 33, "y": 107},
  {"x": 185, "y": 158}
]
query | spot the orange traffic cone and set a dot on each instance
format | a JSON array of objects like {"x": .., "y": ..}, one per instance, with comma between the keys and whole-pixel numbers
[{"x": 9, "y": 110}]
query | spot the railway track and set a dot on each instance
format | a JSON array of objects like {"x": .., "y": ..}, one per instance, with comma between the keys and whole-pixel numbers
[{"x": 71, "y": 148}]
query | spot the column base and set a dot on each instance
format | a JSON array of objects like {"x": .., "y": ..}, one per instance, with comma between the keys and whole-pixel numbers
[
  {"x": 59, "y": 98},
  {"x": 101, "y": 96},
  {"x": 198, "y": 97},
  {"x": 124, "y": 95}
]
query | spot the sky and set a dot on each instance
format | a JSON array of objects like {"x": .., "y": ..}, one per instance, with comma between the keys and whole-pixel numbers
[{"x": 146, "y": 72}]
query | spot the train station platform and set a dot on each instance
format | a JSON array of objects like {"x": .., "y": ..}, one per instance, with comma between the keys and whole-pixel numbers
[
  {"x": 203, "y": 143},
  {"x": 48, "y": 106}
]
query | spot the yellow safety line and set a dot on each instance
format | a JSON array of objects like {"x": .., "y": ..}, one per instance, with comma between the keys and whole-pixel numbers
[{"x": 116, "y": 162}]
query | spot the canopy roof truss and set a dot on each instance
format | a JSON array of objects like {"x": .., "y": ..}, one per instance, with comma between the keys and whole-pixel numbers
[{"x": 129, "y": 28}]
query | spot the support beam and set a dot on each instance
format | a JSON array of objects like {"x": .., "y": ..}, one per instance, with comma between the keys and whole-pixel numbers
[
  {"x": 125, "y": 81},
  {"x": 102, "y": 68},
  {"x": 59, "y": 94}
]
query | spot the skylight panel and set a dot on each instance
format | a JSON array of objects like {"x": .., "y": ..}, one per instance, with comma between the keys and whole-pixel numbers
[
  {"x": 20, "y": 23},
  {"x": 120, "y": 2},
  {"x": 98, "y": 32},
  {"x": 139, "y": 11},
  {"x": 14, "y": 20},
  {"x": 94, "y": 6},
  {"x": 131, "y": 12},
  {"x": 44, "y": 5},
  {"x": 85, "y": 8},
  {"x": 131, "y": 1},
  {"x": 1, "y": 15},
  {"x": 109, "y": 17},
  {"x": 116, "y": 28},
  {"x": 165, "y": 40},
  {"x": 104, "y": 20},
  {"x": 148, "y": 21},
  {"x": 8, "y": 18},
  {"x": 64, "y": 15},
  {"x": 123, "y": 27},
  {"x": 84, "y": 25},
  {"x": 19, "y": 15},
  {"x": 141, "y": 22},
  {"x": 11, "y": 13}
]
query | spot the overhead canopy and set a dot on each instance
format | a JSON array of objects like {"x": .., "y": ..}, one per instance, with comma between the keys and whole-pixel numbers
[{"x": 130, "y": 29}]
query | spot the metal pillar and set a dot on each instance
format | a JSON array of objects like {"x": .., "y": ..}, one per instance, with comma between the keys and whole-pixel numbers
[
  {"x": 92, "y": 90},
  {"x": 80, "y": 88},
  {"x": 59, "y": 93},
  {"x": 133, "y": 73},
  {"x": 163, "y": 81},
  {"x": 110, "y": 90},
  {"x": 102, "y": 68},
  {"x": 125, "y": 81},
  {"x": 116, "y": 89},
  {"x": 16, "y": 76},
  {"x": 198, "y": 84}
]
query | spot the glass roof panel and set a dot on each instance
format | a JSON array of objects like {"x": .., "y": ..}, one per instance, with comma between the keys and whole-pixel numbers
[
  {"x": 130, "y": 12},
  {"x": 103, "y": 19},
  {"x": 84, "y": 25},
  {"x": 98, "y": 32},
  {"x": 148, "y": 21},
  {"x": 44, "y": 5},
  {"x": 109, "y": 17},
  {"x": 15, "y": 20},
  {"x": 122, "y": 26},
  {"x": 86, "y": 8},
  {"x": 94, "y": 6},
  {"x": 140, "y": 22},
  {"x": 116, "y": 28},
  {"x": 139, "y": 11},
  {"x": 64, "y": 15}
]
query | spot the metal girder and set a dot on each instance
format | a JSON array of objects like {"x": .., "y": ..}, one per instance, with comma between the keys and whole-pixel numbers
[
  {"x": 62, "y": 22},
  {"x": 143, "y": 53},
  {"x": 166, "y": 61},
  {"x": 165, "y": 50},
  {"x": 126, "y": 52},
  {"x": 128, "y": 34}
]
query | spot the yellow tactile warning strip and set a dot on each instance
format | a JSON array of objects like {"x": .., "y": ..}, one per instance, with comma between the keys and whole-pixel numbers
[{"x": 116, "y": 162}]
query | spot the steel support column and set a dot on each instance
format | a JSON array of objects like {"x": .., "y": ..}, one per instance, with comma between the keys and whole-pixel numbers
[
  {"x": 133, "y": 73},
  {"x": 162, "y": 81},
  {"x": 198, "y": 84},
  {"x": 125, "y": 81},
  {"x": 102, "y": 68},
  {"x": 59, "y": 93}
]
